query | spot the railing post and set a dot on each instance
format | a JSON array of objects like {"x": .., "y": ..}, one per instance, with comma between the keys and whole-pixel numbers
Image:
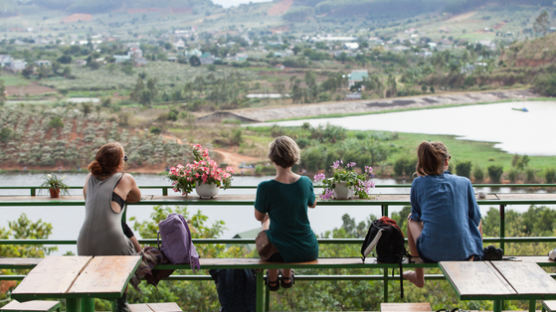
[
  {"x": 259, "y": 291},
  {"x": 502, "y": 226},
  {"x": 384, "y": 210},
  {"x": 33, "y": 191},
  {"x": 385, "y": 286},
  {"x": 165, "y": 191},
  {"x": 266, "y": 299}
]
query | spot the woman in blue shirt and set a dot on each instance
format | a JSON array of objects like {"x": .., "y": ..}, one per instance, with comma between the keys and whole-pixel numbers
[
  {"x": 281, "y": 206},
  {"x": 445, "y": 222}
]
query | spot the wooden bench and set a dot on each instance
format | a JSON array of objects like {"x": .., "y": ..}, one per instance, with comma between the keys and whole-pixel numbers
[
  {"x": 154, "y": 307},
  {"x": 549, "y": 305},
  {"x": 34, "y": 305},
  {"x": 405, "y": 307}
]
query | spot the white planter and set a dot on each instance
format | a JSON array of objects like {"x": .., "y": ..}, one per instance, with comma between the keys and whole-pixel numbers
[
  {"x": 206, "y": 191},
  {"x": 341, "y": 191}
]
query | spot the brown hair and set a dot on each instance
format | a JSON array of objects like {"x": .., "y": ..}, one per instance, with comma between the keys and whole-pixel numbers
[
  {"x": 284, "y": 152},
  {"x": 431, "y": 157},
  {"x": 107, "y": 160}
]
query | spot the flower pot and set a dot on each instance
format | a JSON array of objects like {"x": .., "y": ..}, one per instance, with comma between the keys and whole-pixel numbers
[
  {"x": 342, "y": 191},
  {"x": 206, "y": 191},
  {"x": 54, "y": 192}
]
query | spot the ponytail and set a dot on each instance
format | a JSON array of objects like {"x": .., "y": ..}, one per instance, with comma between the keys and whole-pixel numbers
[
  {"x": 108, "y": 160},
  {"x": 431, "y": 157}
]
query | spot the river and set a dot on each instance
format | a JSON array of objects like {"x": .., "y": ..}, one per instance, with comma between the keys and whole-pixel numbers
[{"x": 518, "y": 132}]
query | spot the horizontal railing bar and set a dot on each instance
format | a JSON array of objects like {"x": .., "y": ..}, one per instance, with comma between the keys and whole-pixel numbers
[
  {"x": 540, "y": 239},
  {"x": 73, "y": 187},
  {"x": 215, "y": 202},
  {"x": 297, "y": 277}
]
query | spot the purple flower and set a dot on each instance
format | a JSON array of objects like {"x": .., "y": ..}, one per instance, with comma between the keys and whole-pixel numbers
[
  {"x": 368, "y": 169},
  {"x": 319, "y": 177},
  {"x": 327, "y": 194},
  {"x": 351, "y": 164},
  {"x": 337, "y": 164}
]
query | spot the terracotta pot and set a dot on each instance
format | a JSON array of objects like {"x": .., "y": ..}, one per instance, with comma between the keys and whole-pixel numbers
[
  {"x": 54, "y": 192},
  {"x": 206, "y": 191}
]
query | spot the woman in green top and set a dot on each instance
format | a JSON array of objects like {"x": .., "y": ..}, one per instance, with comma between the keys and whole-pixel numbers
[{"x": 281, "y": 206}]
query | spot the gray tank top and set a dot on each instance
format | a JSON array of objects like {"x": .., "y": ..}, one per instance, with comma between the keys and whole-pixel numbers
[{"x": 101, "y": 232}]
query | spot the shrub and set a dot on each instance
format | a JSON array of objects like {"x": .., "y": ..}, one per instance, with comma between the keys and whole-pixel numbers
[
  {"x": 478, "y": 174},
  {"x": 530, "y": 176},
  {"x": 495, "y": 173},
  {"x": 545, "y": 84},
  {"x": 550, "y": 176},
  {"x": 404, "y": 167},
  {"x": 513, "y": 175},
  {"x": 5, "y": 134},
  {"x": 56, "y": 123},
  {"x": 155, "y": 130},
  {"x": 464, "y": 169}
]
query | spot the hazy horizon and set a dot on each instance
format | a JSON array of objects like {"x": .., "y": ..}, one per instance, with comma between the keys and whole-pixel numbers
[{"x": 231, "y": 3}]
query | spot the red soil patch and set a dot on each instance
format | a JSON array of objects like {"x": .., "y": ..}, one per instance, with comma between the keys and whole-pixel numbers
[
  {"x": 280, "y": 8},
  {"x": 143, "y": 10},
  {"x": 77, "y": 17},
  {"x": 31, "y": 89},
  {"x": 181, "y": 10},
  {"x": 499, "y": 25}
]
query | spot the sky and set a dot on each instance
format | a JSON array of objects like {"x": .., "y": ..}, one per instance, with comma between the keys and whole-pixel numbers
[{"x": 230, "y": 3}]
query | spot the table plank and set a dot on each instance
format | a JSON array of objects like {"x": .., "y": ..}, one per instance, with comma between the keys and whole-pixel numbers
[
  {"x": 33, "y": 305},
  {"x": 105, "y": 275},
  {"x": 476, "y": 280},
  {"x": 405, "y": 307},
  {"x": 526, "y": 278},
  {"x": 53, "y": 275}
]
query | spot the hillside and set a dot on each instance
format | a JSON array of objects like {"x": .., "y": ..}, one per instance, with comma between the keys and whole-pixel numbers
[{"x": 532, "y": 53}]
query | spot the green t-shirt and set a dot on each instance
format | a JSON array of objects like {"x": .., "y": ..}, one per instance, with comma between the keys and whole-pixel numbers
[{"x": 290, "y": 231}]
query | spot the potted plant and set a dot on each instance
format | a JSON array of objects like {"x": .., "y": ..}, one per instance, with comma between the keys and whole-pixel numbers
[
  {"x": 346, "y": 181},
  {"x": 54, "y": 184},
  {"x": 203, "y": 174}
]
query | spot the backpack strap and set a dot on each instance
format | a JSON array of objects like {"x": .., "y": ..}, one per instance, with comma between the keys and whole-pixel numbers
[{"x": 194, "y": 263}]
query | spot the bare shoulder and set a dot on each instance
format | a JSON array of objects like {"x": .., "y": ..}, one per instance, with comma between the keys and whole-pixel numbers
[{"x": 128, "y": 179}]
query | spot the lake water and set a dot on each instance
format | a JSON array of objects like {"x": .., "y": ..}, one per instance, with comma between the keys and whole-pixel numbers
[
  {"x": 67, "y": 221},
  {"x": 531, "y": 133}
]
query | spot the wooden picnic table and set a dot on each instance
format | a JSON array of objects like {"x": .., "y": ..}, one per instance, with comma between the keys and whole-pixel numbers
[
  {"x": 78, "y": 279},
  {"x": 499, "y": 280}
]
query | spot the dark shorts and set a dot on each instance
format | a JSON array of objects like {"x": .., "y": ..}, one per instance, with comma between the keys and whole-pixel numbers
[
  {"x": 427, "y": 260},
  {"x": 276, "y": 258}
]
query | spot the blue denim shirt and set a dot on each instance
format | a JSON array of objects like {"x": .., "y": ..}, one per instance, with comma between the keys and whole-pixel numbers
[{"x": 447, "y": 207}]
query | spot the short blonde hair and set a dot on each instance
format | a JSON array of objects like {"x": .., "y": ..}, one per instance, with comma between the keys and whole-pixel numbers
[{"x": 284, "y": 152}]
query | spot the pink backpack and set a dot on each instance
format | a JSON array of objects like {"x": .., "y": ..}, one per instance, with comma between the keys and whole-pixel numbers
[{"x": 177, "y": 245}]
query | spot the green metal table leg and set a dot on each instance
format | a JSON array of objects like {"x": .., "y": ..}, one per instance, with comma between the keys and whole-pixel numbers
[
  {"x": 87, "y": 305},
  {"x": 260, "y": 289},
  {"x": 73, "y": 305},
  {"x": 532, "y": 305},
  {"x": 266, "y": 299},
  {"x": 385, "y": 283},
  {"x": 497, "y": 306}
]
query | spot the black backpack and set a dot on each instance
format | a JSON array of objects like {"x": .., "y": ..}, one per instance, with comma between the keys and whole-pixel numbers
[{"x": 385, "y": 236}]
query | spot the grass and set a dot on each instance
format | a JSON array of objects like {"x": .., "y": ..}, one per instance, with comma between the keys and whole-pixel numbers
[
  {"x": 13, "y": 80},
  {"x": 482, "y": 154}
]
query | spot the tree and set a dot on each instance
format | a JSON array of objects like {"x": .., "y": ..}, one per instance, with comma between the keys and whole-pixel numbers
[
  {"x": 194, "y": 61},
  {"x": 542, "y": 23},
  {"x": 2, "y": 92},
  {"x": 56, "y": 123}
]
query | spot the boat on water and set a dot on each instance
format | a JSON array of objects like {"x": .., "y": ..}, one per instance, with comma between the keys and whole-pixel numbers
[{"x": 520, "y": 109}]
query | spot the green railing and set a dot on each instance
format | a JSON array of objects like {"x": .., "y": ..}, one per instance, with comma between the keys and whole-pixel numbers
[
  {"x": 164, "y": 188},
  {"x": 384, "y": 210}
]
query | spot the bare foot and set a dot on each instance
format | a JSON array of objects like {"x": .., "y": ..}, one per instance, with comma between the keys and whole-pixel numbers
[{"x": 412, "y": 277}]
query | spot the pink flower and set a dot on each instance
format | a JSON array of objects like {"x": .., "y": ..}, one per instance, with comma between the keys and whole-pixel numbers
[
  {"x": 327, "y": 194},
  {"x": 351, "y": 164},
  {"x": 368, "y": 169},
  {"x": 319, "y": 177},
  {"x": 336, "y": 164}
]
